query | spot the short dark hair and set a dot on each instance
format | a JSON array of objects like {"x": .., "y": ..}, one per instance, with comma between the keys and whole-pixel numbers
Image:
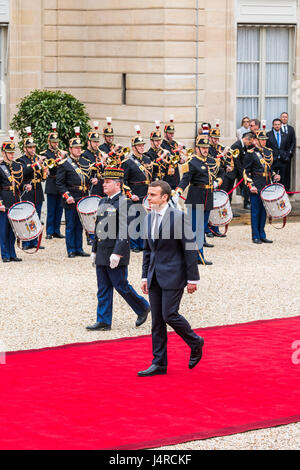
[
  {"x": 165, "y": 187},
  {"x": 248, "y": 135},
  {"x": 276, "y": 119},
  {"x": 256, "y": 122}
]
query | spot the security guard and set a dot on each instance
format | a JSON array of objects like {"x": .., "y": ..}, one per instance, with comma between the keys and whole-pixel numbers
[
  {"x": 201, "y": 173},
  {"x": 35, "y": 172},
  {"x": 73, "y": 178},
  {"x": 257, "y": 175},
  {"x": 172, "y": 175},
  {"x": 111, "y": 253},
  {"x": 54, "y": 208},
  {"x": 137, "y": 177},
  {"x": 11, "y": 186}
]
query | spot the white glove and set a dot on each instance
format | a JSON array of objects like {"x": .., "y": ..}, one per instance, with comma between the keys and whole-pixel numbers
[
  {"x": 175, "y": 199},
  {"x": 216, "y": 185},
  {"x": 114, "y": 261},
  {"x": 93, "y": 259}
]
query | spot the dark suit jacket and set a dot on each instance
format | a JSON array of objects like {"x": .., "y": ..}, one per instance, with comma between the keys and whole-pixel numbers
[
  {"x": 173, "y": 257},
  {"x": 282, "y": 153},
  {"x": 291, "y": 140},
  {"x": 111, "y": 233}
]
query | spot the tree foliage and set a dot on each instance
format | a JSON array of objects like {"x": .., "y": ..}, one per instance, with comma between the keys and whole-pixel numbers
[{"x": 42, "y": 107}]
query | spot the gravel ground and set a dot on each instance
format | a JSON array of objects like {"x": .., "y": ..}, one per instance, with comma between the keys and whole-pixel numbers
[{"x": 49, "y": 299}]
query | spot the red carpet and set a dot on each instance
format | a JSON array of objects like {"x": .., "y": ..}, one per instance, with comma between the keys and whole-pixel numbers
[{"x": 88, "y": 396}]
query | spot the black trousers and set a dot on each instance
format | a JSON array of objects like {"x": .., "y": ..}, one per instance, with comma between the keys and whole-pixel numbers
[{"x": 164, "y": 305}]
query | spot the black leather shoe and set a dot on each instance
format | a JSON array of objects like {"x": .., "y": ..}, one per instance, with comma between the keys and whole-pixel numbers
[
  {"x": 257, "y": 241},
  {"x": 209, "y": 235},
  {"x": 58, "y": 235},
  {"x": 204, "y": 262},
  {"x": 99, "y": 326},
  {"x": 265, "y": 240},
  {"x": 82, "y": 253},
  {"x": 6, "y": 260},
  {"x": 142, "y": 318},
  {"x": 71, "y": 255},
  {"x": 89, "y": 242},
  {"x": 135, "y": 250},
  {"x": 49, "y": 237},
  {"x": 208, "y": 245},
  {"x": 40, "y": 248},
  {"x": 153, "y": 370},
  {"x": 196, "y": 355},
  {"x": 16, "y": 259},
  {"x": 247, "y": 207}
]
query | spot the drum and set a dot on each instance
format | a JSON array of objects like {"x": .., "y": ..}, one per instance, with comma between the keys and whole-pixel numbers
[
  {"x": 276, "y": 201},
  {"x": 221, "y": 214},
  {"x": 87, "y": 211},
  {"x": 25, "y": 221}
]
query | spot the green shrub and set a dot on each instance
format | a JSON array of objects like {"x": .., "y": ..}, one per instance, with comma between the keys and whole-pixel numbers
[{"x": 42, "y": 107}]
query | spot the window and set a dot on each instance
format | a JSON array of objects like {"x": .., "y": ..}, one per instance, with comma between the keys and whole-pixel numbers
[
  {"x": 264, "y": 71},
  {"x": 3, "y": 72}
]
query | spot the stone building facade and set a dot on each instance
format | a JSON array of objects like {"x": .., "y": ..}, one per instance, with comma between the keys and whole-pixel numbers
[{"x": 142, "y": 61}]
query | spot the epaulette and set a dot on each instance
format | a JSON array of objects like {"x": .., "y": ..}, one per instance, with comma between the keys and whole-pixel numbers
[{"x": 184, "y": 167}]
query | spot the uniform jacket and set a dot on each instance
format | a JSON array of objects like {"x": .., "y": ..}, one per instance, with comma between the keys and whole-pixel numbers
[
  {"x": 257, "y": 169},
  {"x": 199, "y": 174},
  {"x": 97, "y": 188},
  {"x": 174, "y": 179},
  {"x": 112, "y": 219},
  {"x": 8, "y": 197},
  {"x": 33, "y": 177},
  {"x": 173, "y": 257},
  {"x": 73, "y": 178},
  {"x": 137, "y": 177}
]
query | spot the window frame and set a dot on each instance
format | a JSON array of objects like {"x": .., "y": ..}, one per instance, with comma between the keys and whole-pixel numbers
[{"x": 261, "y": 97}]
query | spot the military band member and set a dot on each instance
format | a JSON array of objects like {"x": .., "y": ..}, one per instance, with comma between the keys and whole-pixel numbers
[
  {"x": 157, "y": 154},
  {"x": 73, "y": 179},
  {"x": 96, "y": 159},
  {"x": 35, "y": 172},
  {"x": 11, "y": 186},
  {"x": 172, "y": 175},
  {"x": 201, "y": 173},
  {"x": 137, "y": 177},
  {"x": 54, "y": 208},
  {"x": 111, "y": 253},
  {"x": 257, "y": 175},
  {"x": 108, "y": 135}
]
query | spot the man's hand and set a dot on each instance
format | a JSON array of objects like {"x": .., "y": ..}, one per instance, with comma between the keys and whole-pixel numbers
[
  {"x": 28, "y": 187},
  {"x": 2, "y": 208},
  {"x": 135, "y": 198},
  {"x": 191, "y": 288},
  {"x": 175, "y": 199},
  {"x": 70, "y": 200},
  {"x": 114, "y": 260},
  {"x": 144, "y": 287},
  {"x": 93, "y": 259},
  {"x": 276, "y": 178},
  {"x": 253, "y": 190},
  {"x": 94, "y": 181}
]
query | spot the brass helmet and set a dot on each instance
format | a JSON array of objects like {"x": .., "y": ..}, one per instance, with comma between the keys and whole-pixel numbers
[
  {"x": 202, "y": 141},
  {"x": 156, "y": 135},
  {"x": 138, "y": 139},
  {"x": 94, "y": 135},
  {"x": 170, "y": 128},
  {"x": 29, "y": 141},
  {"x": 9, "y": 145},
  {"x": 108, "y": 130}
]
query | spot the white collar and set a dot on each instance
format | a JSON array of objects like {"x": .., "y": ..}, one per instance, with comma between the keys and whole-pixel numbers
[
  {"x": 162, "y": 211},
  {"x": 111, "y": 197}
]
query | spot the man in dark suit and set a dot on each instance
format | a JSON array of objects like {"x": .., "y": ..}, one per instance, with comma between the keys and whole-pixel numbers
[
  {"x": 291, "y": 137},
  {"x": 169, "y": 265},
  {"x": 278, "y": 143},
  {"x": 111, "y": 252}
]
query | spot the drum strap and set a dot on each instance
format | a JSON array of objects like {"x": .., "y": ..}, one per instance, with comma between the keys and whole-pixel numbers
[
  {"x": 37, "y": 248},
  {"x": 278, "y": 228}
]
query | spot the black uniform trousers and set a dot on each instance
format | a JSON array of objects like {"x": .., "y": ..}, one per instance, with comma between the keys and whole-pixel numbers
[{"x": 164, "y": 310}]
